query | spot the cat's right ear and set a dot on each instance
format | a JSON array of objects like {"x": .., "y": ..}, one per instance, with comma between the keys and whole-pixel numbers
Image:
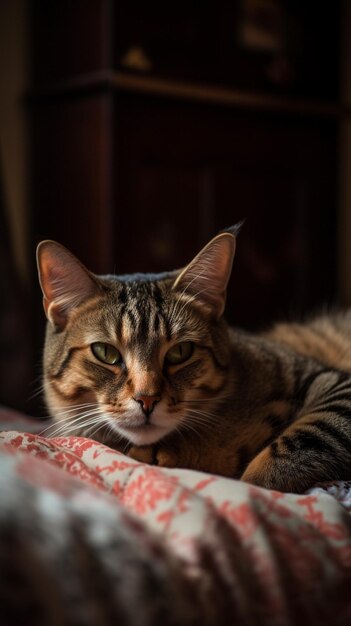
[
  {"x": 64, "y": 281},
  {"x": 206, "y": 277}
]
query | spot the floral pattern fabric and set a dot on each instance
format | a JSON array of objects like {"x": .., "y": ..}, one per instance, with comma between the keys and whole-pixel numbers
[{"x": 254, "y": 556}]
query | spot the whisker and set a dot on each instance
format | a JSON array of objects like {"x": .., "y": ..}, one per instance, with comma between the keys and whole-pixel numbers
[
  {"x": 67, "y": 429},
  {"x": 74, "y": 430},
  {"x": 74, "y": 417},
  {"x": 214, "y": 399},
  {"x": 73, "y": 407},
  {"x": 202, "y": 411},
  {"x": 94, "y": 432},
  {"x": 180, "y": 432},
  {"x": 187, "y": 426},
  {"x": 203, "y": 425},
  {"x": 205, "y": 414},
  {"x": 36, "y": 393},
  {"x": 111, "y": 432},
  {"x": 72, "y": 422}
]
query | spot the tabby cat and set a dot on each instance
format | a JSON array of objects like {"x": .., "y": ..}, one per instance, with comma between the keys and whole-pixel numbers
[{"x": 147, "y": 364}]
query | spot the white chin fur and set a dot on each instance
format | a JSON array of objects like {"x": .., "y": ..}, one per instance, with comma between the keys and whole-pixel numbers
[{"x": 142, "y": 435}]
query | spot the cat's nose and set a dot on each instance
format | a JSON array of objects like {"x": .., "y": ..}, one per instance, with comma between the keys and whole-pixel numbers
[{"x": 147, "y": 402}]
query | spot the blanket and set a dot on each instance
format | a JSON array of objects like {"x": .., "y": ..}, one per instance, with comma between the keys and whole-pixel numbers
[{"x": 89, "y": 536}]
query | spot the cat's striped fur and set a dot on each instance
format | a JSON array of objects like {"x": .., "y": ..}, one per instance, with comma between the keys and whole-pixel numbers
[{"x": 273, "y": 409}]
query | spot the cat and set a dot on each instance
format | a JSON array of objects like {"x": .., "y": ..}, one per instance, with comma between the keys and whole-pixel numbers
[{"x": 148, "y": 365}]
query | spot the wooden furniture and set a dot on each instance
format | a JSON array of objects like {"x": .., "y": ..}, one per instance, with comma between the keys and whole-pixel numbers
[{"x": 137, "y": 170}]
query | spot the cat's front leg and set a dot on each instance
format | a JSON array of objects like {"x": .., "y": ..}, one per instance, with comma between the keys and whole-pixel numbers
[
  {"x": 316, "y": 447},
  {"x": 309, "y": 452},
  {"x": 281, "y": 470}
]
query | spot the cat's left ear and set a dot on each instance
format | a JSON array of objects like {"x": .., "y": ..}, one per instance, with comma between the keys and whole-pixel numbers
[
  {"x": 64, "y": 281},
  {"x": 207, "y": 275}
]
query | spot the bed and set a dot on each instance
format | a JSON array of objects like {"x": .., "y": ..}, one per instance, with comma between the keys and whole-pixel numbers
[{"x": 89, "y": 536}]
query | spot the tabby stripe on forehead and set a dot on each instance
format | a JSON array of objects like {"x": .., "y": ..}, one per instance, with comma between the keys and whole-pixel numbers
[
  {"x": 167, "y": 326},
  {"x": 159, "y": 315},
  {"x": 132, "y": 318},
  {"x": 143, "y": 325},
  {"x": 118, "y": 326},
  {"x": 156, "y": 323},
  {"x": 161, "y": 325},
  {"x": 122, "y": 296},
  {"x": 157, "y": 296}
]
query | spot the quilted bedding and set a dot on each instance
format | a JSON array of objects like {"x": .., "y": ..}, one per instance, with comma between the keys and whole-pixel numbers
[{"x": 89, "y": 537}]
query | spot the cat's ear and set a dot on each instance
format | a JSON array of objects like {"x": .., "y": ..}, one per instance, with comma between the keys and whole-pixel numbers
[
  {"x": 64, "y": 281},
  {"x": 206, "y": 277}
]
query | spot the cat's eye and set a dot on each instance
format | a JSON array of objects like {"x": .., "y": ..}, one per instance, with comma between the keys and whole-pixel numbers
[
  {"x": 179, "y": 353},
  {"x": 106, "y": 353}
]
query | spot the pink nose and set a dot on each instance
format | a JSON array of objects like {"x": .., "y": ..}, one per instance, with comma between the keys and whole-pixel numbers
[{"x": 146, "y": 402}]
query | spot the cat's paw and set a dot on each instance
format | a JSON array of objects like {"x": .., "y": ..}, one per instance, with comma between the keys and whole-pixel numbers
[{"x": 144, "y": 454}]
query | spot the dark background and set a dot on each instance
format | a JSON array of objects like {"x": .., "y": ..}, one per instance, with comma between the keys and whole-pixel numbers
[{"x": 149, "y": 129}]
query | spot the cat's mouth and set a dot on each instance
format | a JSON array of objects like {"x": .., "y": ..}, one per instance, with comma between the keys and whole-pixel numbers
[{"x": 140, "y": 430}]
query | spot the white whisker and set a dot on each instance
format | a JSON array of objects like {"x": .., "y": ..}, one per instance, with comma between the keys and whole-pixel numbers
[
  {"x": 67, "y": 429},
  {"x": 37, "y": 392},
  {"x": 69, "y": 423},
  {"x": 74, "y": 407},
  {"x": 101, "y": 424},
  {"x": 201, "y": 423}
]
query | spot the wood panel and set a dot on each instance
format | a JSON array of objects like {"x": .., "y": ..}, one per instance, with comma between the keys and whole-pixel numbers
[
  {"x": 71, "y": 177},
  {"x": 69, "y": 38},
  {"x": 185, "y": 172}
]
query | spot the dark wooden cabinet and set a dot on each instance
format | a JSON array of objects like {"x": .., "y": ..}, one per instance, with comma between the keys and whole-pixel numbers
[
  {"x": 184, "y": 172},
  {"x": 136, "y": 171}
]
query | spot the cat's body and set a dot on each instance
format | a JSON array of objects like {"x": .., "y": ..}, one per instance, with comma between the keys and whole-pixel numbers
[{"x": 148, "y": 365}]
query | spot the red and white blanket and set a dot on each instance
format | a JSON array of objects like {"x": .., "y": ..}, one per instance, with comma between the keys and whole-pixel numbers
[{"x": 80, "y": 523}]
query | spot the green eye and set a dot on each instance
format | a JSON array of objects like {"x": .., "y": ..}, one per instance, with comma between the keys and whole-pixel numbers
[
  {"x": 106, "y": 353},
  {"x": 179, "y": 353}
]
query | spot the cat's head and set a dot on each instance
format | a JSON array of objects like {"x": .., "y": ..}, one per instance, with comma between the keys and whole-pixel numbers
[{"x": 139, "y": 356}]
